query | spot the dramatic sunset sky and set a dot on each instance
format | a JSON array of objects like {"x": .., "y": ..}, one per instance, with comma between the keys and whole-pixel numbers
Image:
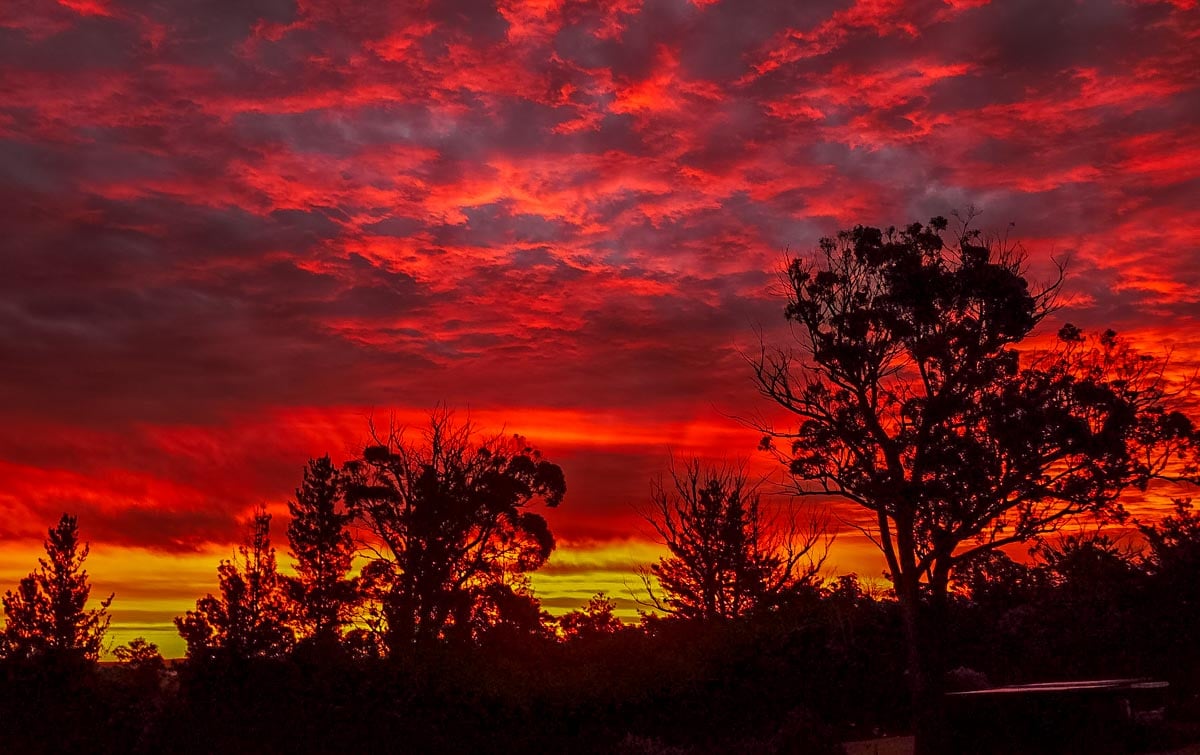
[{"x": 233, "y": 231}]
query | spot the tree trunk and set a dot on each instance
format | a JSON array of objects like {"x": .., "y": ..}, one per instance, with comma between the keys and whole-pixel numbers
[{"x": 924, "y": 630}]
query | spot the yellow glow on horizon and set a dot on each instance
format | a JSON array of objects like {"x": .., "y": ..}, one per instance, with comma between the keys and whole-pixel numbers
[{"x": 153, "y": 587}]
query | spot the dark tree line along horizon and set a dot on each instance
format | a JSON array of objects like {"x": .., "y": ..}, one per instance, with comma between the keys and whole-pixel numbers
[
  {"x": 448, "y": 542},
  {"x": 449, "y": 535},
  {"x": 912, "y": 398}
]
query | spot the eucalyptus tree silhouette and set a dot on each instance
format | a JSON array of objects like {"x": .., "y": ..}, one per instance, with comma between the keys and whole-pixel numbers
[
  {"x": 251, "y": 617},
  {"x": 48, "y": 614},
  {"x": 914, "y": 403},
  {"x": 450, "y": 528},
  {"x": 728, "y": 557}
]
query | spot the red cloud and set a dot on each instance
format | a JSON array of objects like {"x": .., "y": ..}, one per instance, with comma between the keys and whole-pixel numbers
[{"x": 232, "y": 237}]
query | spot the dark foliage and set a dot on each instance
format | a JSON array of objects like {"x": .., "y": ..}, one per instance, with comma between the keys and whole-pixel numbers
[
  {"x": 914, "y": 403},
  {"x": 728, "y": 556},
  {"x": 323, "y": 595},
  {"x": 48, "y": 615},
  {"x": 451, "y": 531},
  {"x": 250, "y": 618},
  {"x": 594, "y": 622},
  {"x": 820, "y": 668},
  {"x": 798, "y": 671},
  {"x": 140, "y": 655}
]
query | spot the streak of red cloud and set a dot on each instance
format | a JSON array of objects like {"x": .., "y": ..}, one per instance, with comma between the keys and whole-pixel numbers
[{"x": 231, "y": 237}]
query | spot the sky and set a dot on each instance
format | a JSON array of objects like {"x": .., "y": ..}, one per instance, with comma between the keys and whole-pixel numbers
[{"x": 236, "y": 232}]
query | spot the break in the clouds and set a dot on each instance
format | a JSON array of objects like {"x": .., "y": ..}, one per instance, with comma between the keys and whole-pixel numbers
[{"x": 231, "y": 233}]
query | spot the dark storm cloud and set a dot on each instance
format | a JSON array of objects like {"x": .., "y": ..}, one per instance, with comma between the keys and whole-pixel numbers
[{"x": 83, "y": 43}]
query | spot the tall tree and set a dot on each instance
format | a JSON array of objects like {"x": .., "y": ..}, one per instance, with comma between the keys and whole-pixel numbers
[
  {"x": 250, "y": 618},
  {"x": 914, "y": 403},
  {"x": 48, "y": 613},
  {"x": 728, "y": 557},
  {"x": 318, "y": 533},
  {"x": 450, "y": 526}
]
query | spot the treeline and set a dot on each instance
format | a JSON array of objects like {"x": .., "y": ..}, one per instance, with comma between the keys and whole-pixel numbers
[
  {"x": 284, "y": 666},
  {"x": 916, "y": 401},
  {"x": 437, "y": 641}
]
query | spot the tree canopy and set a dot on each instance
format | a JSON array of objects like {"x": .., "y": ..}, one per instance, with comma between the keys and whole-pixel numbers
[
  {"x": 251, "y": 616},
  {"x": 914, "y": 402},
  {"x": 450, "y": 527},
  {"x": 918, "y": 398},
  {"x": 728, "y": 555},
  {"x": 48, "y": 614},
  {"x": 323, "y": 594}
]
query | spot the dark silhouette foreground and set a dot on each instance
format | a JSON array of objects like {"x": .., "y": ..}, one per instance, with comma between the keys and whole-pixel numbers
[
  {"x": 825, "y": 667},
  {"x": 913, "y": 402},
  {"x": 919, "y": 402}
]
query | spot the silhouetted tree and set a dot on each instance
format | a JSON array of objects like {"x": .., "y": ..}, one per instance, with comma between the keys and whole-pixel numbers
[
  {"x": 450, "y": 525},
  {"x": 1172, "y": 562},
  {"x": 914, "y": 403},
  {"x": 250, "y": 618},
  {"x": 323, "y": 595},
  {"x": 1093, "y": 562},
  {"x": 505, "y": 614},
  {"x": 596, "y": 619},
  {"x": 140, "y": 654},
  {"x": 48, "y": 614},
  {"x": 1174, "y": 542},
  {"x": 1091, "y": 604},
  {"x": 993, "y": 577},
  {"x": 727, "y": 556}
]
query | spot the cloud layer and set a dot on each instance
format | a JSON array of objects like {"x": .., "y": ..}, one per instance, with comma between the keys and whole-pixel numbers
[{"x": 229, "y": 237}]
